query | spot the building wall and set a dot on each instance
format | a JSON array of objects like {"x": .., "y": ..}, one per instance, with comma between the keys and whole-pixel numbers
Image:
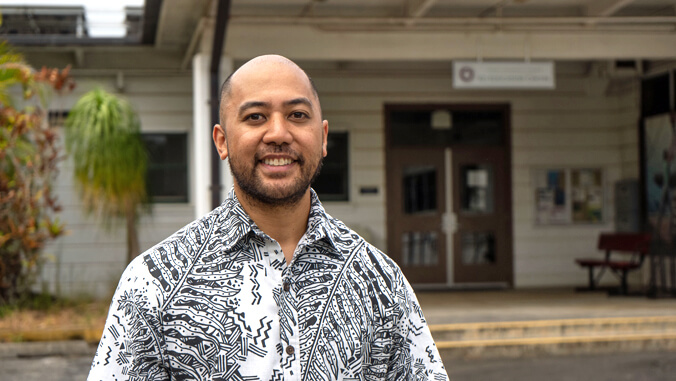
[
  {"x": 89, "y": 259},
  {"x": 586, "y": 122},
  {"x": 626, "y": 91}
]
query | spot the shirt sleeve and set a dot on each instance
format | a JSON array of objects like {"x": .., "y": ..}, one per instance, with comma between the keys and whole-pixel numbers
[
  {"x": 417, "y": 358},
  {"x": 131, "y": 346}
]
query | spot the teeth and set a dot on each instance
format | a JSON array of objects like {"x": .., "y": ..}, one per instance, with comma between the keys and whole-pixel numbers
[{"x": 277, "y": 162}]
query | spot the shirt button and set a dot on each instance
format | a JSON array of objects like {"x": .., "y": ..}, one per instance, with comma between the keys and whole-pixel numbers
[
  {"x": 286, "y": 286},
  {"x": 289, "y": 350}
]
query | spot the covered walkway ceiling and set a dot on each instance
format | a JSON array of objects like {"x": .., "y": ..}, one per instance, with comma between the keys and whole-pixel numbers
[
  {"x": 487, "y": 15},
  {"x": 452, "y": 29},
  {"x": 394, "y": 30}
]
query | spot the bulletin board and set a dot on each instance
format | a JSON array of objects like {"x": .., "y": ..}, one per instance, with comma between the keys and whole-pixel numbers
[{"x": 566, "y": 196}]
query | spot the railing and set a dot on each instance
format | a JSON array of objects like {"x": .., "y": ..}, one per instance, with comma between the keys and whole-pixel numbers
[{"x": 40, "y": 25}]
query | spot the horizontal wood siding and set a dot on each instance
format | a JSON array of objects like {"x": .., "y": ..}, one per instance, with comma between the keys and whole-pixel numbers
[
  {"x": 89, "y": 258},
  {"x": 580, "y": 124}
]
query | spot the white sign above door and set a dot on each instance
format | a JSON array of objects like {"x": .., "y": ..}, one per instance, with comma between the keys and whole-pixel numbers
[{"x": 503, "y": 75}]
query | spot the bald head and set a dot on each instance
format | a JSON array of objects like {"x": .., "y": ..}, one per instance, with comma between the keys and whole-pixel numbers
[
  {"x": 271, "y": 132},
  {"x": 253, "y": 67}
]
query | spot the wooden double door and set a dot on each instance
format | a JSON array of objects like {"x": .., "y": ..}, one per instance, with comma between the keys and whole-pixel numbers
[{"x": 449, "y": 197}]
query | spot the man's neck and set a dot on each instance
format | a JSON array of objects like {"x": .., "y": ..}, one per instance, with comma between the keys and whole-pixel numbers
[{"x": 285, "y": 224}]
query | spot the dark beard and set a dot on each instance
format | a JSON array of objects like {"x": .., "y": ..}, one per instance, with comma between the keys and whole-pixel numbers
[{"x": 253, "y": 189}]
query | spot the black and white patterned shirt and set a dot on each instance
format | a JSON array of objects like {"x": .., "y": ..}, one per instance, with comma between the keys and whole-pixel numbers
[{"x": 217, "y": 301}]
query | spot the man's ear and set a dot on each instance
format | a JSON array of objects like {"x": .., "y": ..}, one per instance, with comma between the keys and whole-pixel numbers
[
  {"x": 219, "y": 141},
  {"x": 325, "y": 134}
]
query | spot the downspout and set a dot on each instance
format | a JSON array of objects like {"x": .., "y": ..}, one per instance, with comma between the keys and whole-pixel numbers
[{"x": 222, "y": 16}]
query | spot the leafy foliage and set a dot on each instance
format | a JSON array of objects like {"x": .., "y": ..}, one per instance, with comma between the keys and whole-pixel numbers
[
  {"x": 28, "y": 159},
  {"x": 103, "y": 139}
]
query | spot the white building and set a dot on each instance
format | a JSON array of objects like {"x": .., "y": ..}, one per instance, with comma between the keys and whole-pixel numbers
[{"x": 464, "y": 186}]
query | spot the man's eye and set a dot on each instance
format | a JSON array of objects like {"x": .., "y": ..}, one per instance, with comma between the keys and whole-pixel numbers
[
  {"x": 254, "y": 117},
  {"x": 299, "y": 115}
]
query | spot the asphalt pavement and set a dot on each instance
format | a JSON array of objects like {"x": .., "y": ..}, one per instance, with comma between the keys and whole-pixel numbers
[
  {"x": 651, "y": 366},
  {"x": 49, "y": 368}
]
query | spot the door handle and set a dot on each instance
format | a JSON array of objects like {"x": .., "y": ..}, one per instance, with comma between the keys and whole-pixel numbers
[{"x": 449, "y": 223}]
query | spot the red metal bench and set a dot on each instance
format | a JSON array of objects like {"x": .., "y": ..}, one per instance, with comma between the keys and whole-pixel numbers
[{"x": 636, "y": 245}]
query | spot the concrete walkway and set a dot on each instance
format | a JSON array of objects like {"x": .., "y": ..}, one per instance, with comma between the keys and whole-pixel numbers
[
  {"x": 520, "y": 305},
  {"x": 628, "y": 366},
  {"x": 446, "y": 307}
]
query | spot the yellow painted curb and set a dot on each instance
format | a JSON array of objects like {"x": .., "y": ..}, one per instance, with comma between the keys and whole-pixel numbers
[
  {"x": 552, "y": 323},
  {"x": 554, "y": 340}
]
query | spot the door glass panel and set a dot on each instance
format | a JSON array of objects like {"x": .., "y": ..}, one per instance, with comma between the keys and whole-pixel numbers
[
  {"x": 420, "y": 248},
  {"x": 420, "y": 189},
  {"x": 476, "y": 188},
  {"x": 478, "y": 248}
]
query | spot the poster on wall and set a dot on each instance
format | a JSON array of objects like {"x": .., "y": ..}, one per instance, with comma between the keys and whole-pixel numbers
[
  {"x": 659, "y": 139},
  {"x": 550, "y": 196},
  {"x": 569, "y": 196},
  {"x": 587, "y": 195}
]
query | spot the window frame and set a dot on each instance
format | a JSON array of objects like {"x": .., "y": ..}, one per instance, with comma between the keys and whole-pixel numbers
[
  {"x": 164, "y": 199},
  {"x": 343, "y": 167}
]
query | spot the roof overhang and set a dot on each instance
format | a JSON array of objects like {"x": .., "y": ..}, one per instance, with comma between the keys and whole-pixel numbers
[
  {"x": 312, "y": 42},
  {"x": 381, "y": 30}
]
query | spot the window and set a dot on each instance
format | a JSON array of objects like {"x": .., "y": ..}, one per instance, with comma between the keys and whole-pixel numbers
[
  {"x": 465, "y": 127},
  {"x": 420, "y": 189},
  {"x": 167, "y": 179},
  {"x": 332, "y": 183},
  {"x": 655, "y": 98}
]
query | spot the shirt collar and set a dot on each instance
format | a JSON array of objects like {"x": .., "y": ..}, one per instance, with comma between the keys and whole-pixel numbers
[{"x": 320, "y": 224}]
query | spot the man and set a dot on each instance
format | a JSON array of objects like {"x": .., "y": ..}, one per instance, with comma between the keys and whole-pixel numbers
[{"x": 267, "y": 286}]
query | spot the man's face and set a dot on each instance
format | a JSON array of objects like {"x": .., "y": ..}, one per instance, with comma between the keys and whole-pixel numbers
[{"x": 274, "y": 135}]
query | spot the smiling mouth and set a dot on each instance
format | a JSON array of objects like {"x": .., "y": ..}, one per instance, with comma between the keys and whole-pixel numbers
[{"x": 277, "y": 162}]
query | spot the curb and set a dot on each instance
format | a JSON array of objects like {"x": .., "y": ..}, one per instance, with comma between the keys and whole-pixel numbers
[
  {"x": 557, "y": 347},
  {"x": 514, "y": 339},
  {"x": 553, "y": 323},
  {"x": 47, "y": 348}
]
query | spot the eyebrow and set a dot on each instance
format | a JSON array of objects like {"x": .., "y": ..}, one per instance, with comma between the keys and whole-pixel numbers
[
  {"x": 299, "y": 101},
  {"x": 292, "y": 102},
  {"x": 252, "y": 104}
]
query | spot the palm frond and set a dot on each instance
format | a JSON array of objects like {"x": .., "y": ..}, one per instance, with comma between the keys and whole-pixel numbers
[{"x": 103, "y": 140}]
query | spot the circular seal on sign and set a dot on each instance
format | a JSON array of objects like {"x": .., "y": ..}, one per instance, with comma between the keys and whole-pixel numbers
[{"x": 466, "y": 74}]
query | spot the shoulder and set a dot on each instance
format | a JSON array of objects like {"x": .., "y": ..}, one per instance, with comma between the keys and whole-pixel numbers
[
  {"x": 165, "y": 263},
  {"x": 190, "y": 241},
  {"x": 363, "y": 257}
]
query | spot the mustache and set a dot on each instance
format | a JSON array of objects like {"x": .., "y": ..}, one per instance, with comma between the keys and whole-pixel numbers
[{"x": 279, "y": 149}]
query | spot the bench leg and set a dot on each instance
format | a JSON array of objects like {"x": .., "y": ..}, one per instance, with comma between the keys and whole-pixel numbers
[
  {"x": 592, "y": 284},
  {"x": 624, "y": 288}
]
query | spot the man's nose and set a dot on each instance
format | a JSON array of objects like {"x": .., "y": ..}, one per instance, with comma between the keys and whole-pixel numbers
[{"x": 278, "y": 131}]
